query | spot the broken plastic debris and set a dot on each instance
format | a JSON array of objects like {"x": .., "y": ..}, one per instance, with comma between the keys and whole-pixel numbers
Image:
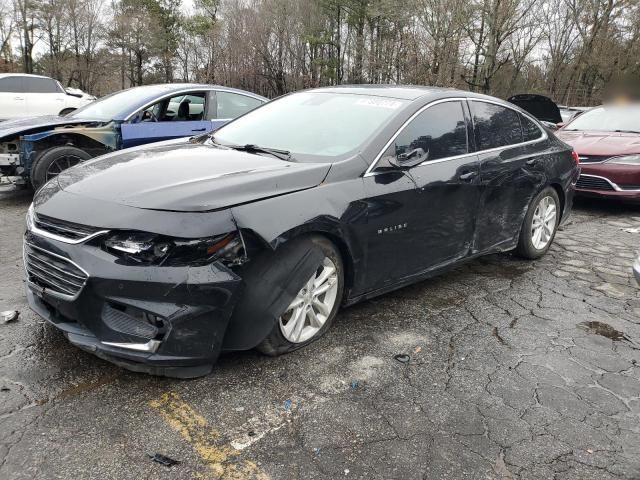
[
  {"x": 346, "y": 471},
  {"x": 163, "y": 460},
  {"x": 417, "y": 350},
  {"x": 316, "y": 451},
  {"x": 9, "y": 316},
  {"x": 287, "y": 404},
  {"x": 402, "y": 358},
  {"x": 355, "y": 386}
]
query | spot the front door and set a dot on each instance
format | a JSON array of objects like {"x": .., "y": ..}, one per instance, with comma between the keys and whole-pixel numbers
[
  {"x": 422, "y": 218},
  {"x": 183, "y": 115}
]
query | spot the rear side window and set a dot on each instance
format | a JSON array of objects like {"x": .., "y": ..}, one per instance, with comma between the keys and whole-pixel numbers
[
  {"x": 530, "y": 130},
  {"x": 40, "y": 85},
  {"x": 12, "y": 85},
  {"x": 438, "y": 132},
  {"x": 495, "y": 126},
  {"x": 232, "y": 105}
]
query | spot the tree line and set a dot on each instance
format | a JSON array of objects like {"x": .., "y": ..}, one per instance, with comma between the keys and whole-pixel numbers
[{"x": 571, "y": 50}]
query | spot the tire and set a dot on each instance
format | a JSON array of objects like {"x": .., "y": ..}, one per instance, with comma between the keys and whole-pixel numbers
[
  {"x": 66, "y": 111},
  {"x": 282, "y": 338},
  {"x": 45, "y": 166},
  {"x": 530, "y": 245}
]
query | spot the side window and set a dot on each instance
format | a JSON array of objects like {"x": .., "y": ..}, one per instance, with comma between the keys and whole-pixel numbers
[
  {"x": 438, "y": 132},
  {"x": 495, "y": 126},
  {"x": 181, "y": 108},
  {"x": 232, "y": 105},
  {"x": 530, "y": 130},
  {"x": 12, "y": 85},
  {"x": 40, "y": 85}
]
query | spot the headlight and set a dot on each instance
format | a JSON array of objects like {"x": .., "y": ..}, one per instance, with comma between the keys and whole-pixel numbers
[
  {"x": 626, "y": 160},
  {"x": 151, "y": 249}
]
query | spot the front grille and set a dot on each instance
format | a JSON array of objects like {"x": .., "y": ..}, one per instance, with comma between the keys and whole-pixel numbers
[
  {"x": 593, "y": 183},
  {"x": 61, "y": 228},
  {"x": 53, "y": 272},
  {"x": 593, "y": 158}
]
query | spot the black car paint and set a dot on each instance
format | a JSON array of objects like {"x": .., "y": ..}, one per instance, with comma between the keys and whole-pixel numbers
[{"x": 393, "y": 227}]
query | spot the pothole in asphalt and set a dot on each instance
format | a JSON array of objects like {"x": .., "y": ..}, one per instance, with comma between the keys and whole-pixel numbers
[{"x": 605, "y": 330}]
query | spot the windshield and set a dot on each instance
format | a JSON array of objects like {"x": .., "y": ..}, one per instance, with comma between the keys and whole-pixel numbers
[
  {"x": 109, "y": 107},
  {"x": 312, "y": 123},
  {"x": 609, "y": 119}
]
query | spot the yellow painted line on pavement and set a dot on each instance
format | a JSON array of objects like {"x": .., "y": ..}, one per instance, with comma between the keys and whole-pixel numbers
[{"x": 221, "y": 460}]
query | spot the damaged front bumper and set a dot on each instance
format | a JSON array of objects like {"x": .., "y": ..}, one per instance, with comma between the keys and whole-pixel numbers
[{"x": 161, "y": 320}]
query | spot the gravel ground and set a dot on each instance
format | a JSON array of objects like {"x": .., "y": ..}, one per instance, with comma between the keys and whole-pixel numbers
[{"x": 517, "y": 370}]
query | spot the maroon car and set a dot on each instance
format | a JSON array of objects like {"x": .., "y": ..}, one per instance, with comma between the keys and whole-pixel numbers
[{"x": 607, "y": 140}]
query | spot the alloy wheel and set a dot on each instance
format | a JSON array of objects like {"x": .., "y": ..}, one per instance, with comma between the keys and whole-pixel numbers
[
  {"x": 60, "y": 164},
  {"x": 543, "y": 223},
  {"x": 311, "y": 308}
]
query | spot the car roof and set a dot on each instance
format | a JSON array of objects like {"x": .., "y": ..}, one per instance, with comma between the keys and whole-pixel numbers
[
  {"x": 412, "y": 93},
  {"x": 5, "y": 75},
  {"x": 147, "y": 94}
]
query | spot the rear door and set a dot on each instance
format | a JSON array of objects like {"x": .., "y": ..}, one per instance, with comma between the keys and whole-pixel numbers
[
  {"x": 423, "y": 217},
  {"x": 183, "y": 115},
  {"x": 13, "y": 101},
  {"x": 511, "y": 171},
  {"x": 45, "y": 96}
]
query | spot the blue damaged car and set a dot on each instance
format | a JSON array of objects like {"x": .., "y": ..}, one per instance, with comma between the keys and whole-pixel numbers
[{"x": 34, "y": 150}]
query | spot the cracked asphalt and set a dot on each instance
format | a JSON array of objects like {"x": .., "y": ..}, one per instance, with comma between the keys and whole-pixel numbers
[{"x": 518, "y": 370}]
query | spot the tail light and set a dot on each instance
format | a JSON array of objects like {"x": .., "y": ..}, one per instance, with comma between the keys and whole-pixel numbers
[{"x": 576, "y": 157}]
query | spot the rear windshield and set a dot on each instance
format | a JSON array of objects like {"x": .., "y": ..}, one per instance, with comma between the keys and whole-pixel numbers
[{"x": 313, "y": 123}]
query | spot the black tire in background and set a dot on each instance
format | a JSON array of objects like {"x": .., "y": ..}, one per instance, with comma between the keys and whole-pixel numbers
[
  {"x": 65, "y": 157},
  {"x": 526, "y": 247},
  {"x": 275, "y": 343}
]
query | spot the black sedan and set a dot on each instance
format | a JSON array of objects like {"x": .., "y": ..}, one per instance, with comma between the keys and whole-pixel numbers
[{"x": 159, "y": 258}]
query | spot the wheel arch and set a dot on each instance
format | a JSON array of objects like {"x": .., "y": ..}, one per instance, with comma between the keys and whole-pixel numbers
[{"x": 332, "y": 232}]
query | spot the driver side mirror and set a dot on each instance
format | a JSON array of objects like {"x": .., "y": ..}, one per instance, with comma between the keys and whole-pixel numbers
[{"x": 409, "y": 159}]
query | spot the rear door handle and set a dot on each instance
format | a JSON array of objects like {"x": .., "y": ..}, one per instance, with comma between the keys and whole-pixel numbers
[
  {"x": 198, "y": 130},
  {"x": 468, "y": 176}
]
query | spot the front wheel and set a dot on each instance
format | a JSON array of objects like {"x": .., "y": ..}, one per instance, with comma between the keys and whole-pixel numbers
[
  {"x": 540, "y": 225},
  {"x": 54, "y": 161},
  {"x": 312, "y": 311}
]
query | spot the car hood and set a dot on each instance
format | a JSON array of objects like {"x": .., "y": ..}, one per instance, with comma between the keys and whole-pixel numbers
[
  {"x": 541, "y": 107},
  {"x": 601, "y": 143},
  {"x": 188, "y": 177},
  {"x": 21, "y": 126}
]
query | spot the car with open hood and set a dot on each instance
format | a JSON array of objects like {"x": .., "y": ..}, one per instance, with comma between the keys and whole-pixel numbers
[
  {"x": 159, "y": 258},
  {"x": 541, "y": 107},
  {"x": 607, "y": 140},
  {"x": 34, "y": 150}
]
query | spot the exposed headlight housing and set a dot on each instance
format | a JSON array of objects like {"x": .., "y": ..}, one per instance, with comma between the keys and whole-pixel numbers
[
  {"x": 150, "y": 249},
  {"x": 626, "y": 160}
]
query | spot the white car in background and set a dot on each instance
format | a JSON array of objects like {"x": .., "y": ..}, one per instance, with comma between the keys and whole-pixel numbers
[{"x": 23, "y": 95}]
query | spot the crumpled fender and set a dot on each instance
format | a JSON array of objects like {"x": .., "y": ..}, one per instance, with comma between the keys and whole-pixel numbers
[{"x": 271, "y": 282}]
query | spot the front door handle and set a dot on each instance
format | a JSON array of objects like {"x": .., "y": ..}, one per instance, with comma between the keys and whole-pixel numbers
[
  {"x": 465, "y": 177},
  {"x": 198, "y": 130}
]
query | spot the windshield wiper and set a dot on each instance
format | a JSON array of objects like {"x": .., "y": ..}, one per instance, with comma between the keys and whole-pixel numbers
[
  {"x": 250, "y": 148},
  {"x": 627, "y": 131}
]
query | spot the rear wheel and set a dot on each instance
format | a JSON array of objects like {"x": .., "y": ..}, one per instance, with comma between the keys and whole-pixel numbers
[
  {"x": 313, "y": 310},
  {"x": 54, "y": 161},
  {"x": 540, "y": 225}
]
